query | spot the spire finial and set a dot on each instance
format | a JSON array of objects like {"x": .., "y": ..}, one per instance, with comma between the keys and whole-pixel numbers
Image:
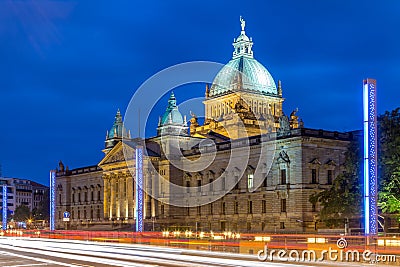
[{"x": 242, "y": 23}]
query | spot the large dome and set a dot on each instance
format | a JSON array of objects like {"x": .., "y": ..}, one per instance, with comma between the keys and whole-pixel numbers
[
  {"x": 246, "y": 74},
  {"x": 243, "y": 72}
]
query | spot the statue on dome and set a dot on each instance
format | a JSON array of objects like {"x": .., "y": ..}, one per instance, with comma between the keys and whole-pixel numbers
[{"x": 242, "y": 23}]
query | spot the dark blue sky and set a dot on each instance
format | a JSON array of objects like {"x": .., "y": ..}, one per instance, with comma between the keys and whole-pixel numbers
[{"x": 66, "y": 66}]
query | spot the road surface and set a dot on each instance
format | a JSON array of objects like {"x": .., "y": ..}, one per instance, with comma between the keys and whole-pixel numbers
[{"x": 20, "y": 252}]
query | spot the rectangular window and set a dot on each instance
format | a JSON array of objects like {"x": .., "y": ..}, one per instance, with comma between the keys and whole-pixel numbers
[
  {"x": 223, "y": 183},
  {"x": 236, "y": 208},
  {"x": 236, "y": 182},
  {"x": 248, "y": 226},
  {"x": 250, "y": 207},
  {"x": 162, "y": 209},
  {"x": 223, "y": 226},
  {"x": 250, "y": 181},
  {"x": 223, "y": 208},
  {"x": 264, "y": 206},
  {"x": 330, "y": 174},
  {"x": 187, "y": 186},
  {"x": 265, "y": 182},
  {"x": 198, "y": 210},
  {"x": 188, "y": 211},
  {"x": 282, "y": 225},
  {"x": 211, "y": 185},
  {"x": 211, "y": 209},
  {"x": 314, "y": 176},
  {"x": 283, "y": 205},
  {"x": 262, "y": 226},
  {"x": 283, "y": 176},
  {"x": 198, "y": 185}
]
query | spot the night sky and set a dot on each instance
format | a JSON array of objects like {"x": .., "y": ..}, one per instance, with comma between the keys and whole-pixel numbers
[{"x": 67, "y": 66}]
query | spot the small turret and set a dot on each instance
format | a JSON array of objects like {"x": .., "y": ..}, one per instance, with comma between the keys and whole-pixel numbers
[
  {"x": 172, "y": 122},
  {"x": 279, "y": 88},
  {"x": 116, "y": 133}
]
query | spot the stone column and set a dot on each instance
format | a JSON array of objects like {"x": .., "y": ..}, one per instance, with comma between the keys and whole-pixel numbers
[
  {"x": 106, "y": 205},
  {"x": 112, "y": 199}
]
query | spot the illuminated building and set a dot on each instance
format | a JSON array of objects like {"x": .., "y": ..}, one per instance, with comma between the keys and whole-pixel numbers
[
  {"x": 242, "y": 101},
  {"x": 23, "y": 192}
]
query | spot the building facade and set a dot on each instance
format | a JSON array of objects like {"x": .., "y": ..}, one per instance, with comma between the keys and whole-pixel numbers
[
  {"x": 23, "y": 192},
  {"x": 264, "y": 167}
]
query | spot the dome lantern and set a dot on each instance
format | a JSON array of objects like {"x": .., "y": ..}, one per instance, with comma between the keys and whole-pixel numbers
[{"x": 243, "y": 44}]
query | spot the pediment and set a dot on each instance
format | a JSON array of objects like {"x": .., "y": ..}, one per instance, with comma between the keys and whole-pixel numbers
[
  {"x": 116, "y": 154},
  {"x": 331, "y": 163},
  {"x": 315, "y": 161},
  {"x": 283, "y": 157}
]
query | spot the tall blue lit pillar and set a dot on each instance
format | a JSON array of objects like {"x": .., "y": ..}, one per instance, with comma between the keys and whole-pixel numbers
[
  {"x": 370, "y": 158},
  {"x": 4, "y": 222},
  {"x": 52, "y": 200},
  {"x": 139, "y": 202}
]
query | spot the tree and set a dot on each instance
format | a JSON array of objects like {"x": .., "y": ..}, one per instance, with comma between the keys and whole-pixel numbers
[
  {"x": 343, "y": 200},
  {"x": 21, "y": 213},
  {"x": 389, "y": 200},
  {"x": 42, "y": 212},
  {"x": 389, "y": 162}
]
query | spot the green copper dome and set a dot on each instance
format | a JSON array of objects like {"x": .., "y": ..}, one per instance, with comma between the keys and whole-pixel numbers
[
  {"x": 172, "y": 114},
  {"x": 246, "y": 74},
  {"x": 243, "y": 72}
]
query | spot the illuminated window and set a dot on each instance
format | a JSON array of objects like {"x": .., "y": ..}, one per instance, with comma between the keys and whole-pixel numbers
[{"x": 250, "y": 181}]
